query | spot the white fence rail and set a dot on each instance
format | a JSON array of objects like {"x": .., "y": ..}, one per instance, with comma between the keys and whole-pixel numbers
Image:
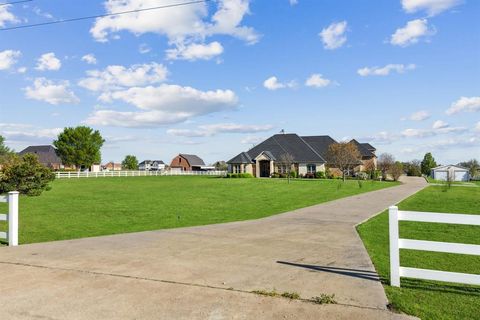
[
  {"x": 396, "y": 271},
  {"x": 12, "y": 217},
  {"x": 101, "y": 174}
]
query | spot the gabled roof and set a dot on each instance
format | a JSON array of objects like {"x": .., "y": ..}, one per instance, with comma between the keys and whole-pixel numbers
[
  {"x": 320, "y": 144},
  {"x": 46, "y": 154},
  {"x": 192, "y": 159},
  {"x": 146, "y": 162},
  {"x": 241, "y": 158},
  {"x": 448, "y": 166},
  {"x": 362, "y": 149},
  {"x": 369, "y": 147},
  {"x": 158, "y": 161}
]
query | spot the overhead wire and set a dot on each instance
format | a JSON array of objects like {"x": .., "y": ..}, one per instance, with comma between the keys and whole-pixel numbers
[{"x": 14, "y": 2}]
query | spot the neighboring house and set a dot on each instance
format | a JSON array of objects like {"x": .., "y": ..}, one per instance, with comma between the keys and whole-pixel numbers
[
  {"x": 308, "y": 154},
  {"x": 112, "y": 166},
  {"x": 450, "y": 172},
  {"x": 47, "y": 155},
  {"x": 151, "y": 165},
  {"x": 367, "y": 151},
  {"x": 188, "y": 162}
]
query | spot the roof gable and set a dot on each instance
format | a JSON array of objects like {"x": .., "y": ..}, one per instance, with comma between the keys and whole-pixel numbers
[
  {"x": 46, "y": 154},
  {"x": 192, "y": 159}
]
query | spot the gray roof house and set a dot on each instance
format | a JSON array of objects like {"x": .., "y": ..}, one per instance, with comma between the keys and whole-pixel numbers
[
  {"x": 308, "y": 154},
  {"x": 47, "y": 155}
]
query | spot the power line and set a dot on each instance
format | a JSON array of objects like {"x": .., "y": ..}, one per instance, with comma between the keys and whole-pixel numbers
[
  {"x": 102, "y": 15},
  {"x": 14, "y": 2}
]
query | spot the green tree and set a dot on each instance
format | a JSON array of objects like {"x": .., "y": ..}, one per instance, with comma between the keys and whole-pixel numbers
[
  {"x": 130, "y": 162},
  {"x": 4, "y": 150},
  {"x": 428, "y": 163},
  {"x": 473, "y": 167},
  {"x": 79, "y": 146},
  {"x": 25, "y": 174}
]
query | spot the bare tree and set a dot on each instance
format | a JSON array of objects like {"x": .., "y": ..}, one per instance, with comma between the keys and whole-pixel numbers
[
  {"x": 287, "y": 160},
  {"x": 396, "y": 170},
  {"x": 344, "y": 156},
  {"x": 370, "y": 168},
  {"x": 385, "y": 162}
]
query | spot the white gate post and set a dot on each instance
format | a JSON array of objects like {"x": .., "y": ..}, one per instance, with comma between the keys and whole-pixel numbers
[
  {"x": 394, "y": 250},
  {"x": 13, "y": 218}
]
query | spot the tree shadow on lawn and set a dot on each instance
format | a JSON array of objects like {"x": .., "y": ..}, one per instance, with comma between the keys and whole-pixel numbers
[
  {"x": 356, "y": 273},
  {"x": 440, "y": 287}
]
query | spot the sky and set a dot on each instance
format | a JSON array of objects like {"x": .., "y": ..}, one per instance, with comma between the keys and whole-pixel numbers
[{"x": 215, "y": 78}]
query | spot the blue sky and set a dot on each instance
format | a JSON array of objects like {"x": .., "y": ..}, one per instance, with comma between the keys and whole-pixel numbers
[{"x": 215, "y": 78}]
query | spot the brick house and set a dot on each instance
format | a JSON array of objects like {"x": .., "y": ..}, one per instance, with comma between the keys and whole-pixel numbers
[{"x": 188, "y": 162}]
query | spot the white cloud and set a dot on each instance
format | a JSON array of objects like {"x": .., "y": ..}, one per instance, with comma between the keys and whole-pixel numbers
[
  {"x": 477, "y": 127},
  {"x": 432, "y": 7},
  {"x": 48, "y": 61},
  {"x": 89, "y": 58},
  {"x": 439, "y": 124},
  {"x": 144, "y": 48},
  {"x": 411, "y": 33},
  {"x": 182, "y": 25},
  {"x": 386, "y": 70},
  {"x": 293, "y": 2},
  {"x": 165, "y": 104},
  {"x": 22, "y": 70},
  {"x": 333, "y": 36},
  {"x": 467, "y": 104},
  {"x": 316, "y": 80},
  {"x": 51, "y": 92},
  {"x": 116, "y": 77},
  {"x": 195, "y": 51},
  {"x": 214, "y": 129},
  {"x": 272, "y": 83},
  {"x": 382, "y": 137},
  {"x": 8, "y": 58},
  {"x": 6, "y": 15},
  {"x": 423, "y": 133},
  {"x": 252, "y": 140},
  {"x": 419, "y": 115}
]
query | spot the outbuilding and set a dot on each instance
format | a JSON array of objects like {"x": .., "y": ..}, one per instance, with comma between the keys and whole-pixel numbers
[{"x": 450, "y": 172}]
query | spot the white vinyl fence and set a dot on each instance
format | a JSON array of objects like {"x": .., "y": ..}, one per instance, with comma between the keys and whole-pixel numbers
[
  {"x": 396, "y": 271},
  {"x": 12, "y": 217},
  {"x": 78, "y": 174}
]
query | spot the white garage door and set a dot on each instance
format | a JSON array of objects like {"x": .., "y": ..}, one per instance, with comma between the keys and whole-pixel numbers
[
  {"x": 461, "y": 176},
  {"x": 440, "y": 175}
]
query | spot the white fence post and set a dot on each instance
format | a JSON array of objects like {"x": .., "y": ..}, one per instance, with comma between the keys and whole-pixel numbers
[
  {"x": 13, "y": 218},
  {"x": 394, "y": 248}
]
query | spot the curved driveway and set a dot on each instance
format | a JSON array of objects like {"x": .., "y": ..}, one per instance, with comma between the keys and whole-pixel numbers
[{"x": 207, "y": 272}]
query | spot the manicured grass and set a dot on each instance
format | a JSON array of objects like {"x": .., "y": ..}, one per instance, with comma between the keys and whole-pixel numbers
[
  {"x": 77, "y": 208},
  {"x": 429, "y": 299}
]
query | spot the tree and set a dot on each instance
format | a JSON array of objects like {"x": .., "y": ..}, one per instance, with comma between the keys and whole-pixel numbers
[
  {"x": 428, "y": 163},
  {"x": 396, "y": 170},
  {"x": 79, "y": 146},
  {"x": 130, "y": 162},
  {"x": 344, "y": 156},
  {"x": 287, "y": 161},
  {"x": 4, "y": 150},
  {"x": 25, "y": 174},
  {"x": 385, "y": 162},
  {"x": 370, "y": 168},
  {"x": 220, "y": 166},
  {"x": 473, "y": 167},
  {"x": 413, "y": 168}
]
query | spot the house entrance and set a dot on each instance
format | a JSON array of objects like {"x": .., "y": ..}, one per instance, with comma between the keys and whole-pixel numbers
[{"x": 264, "y": 168}]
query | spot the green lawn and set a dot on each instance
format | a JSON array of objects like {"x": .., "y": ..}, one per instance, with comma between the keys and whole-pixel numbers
[
  {"x": 77, "y": 208},
  {"x": 429, "y": 299}
]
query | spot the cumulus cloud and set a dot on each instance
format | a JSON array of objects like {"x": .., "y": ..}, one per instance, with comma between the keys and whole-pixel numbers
[
  {"x": 439, "y": 124},
  {"x": 165, "y": 104},
  {"x": 316, "y": 80},
  {"x": 467, "y": 104},
  {"x": 423, "y": 133},
  {"x": 89, "y": 58},
  {"x": 195, "y": 51},
  {"x": 6, "y": 15},
  {"x": 214, "y": 129},
  {"x": 273, "y": 83},
  {"x": 411, "y": 33},
  {"x": 419, "y": 115},
  {"x": 386, "y": 70},
  {"x": 8, "y": 58},
  {"x": 382, "y": 137},
  {"x": 51, "y": 92},
  {"x": 333, "y": 36},
  {"x": 293, "y": 2},
  {"x": 477, "y": 127},
  {"x": 432, "y": 7},
  {"x": 182, "y": 25},
  {"x": 48, "y": 61},
  {"x": 116, "y": 77},
  {"x": 252, "y": 140}
]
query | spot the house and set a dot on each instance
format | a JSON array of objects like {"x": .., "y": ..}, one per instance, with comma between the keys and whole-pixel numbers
[
  {"x": 151, "y": 165},
  {"x": 367, "y": 151},
  {"x": 47, "y": 155},
  {"x": 189, "y": 162},
  {"x": 112, "y": 166},
  {"x": 450, "y": 172},
  {"x": 308, "y": 155}
]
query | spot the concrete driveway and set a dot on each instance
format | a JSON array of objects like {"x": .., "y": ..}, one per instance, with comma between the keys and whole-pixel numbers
[{"x": 207, "y": 272}]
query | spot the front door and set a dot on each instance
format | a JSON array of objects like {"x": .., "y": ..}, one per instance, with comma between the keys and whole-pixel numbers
[{"x": 264, "y": 168}]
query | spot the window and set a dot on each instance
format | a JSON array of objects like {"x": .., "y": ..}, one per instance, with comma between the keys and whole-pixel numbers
[
  {"x": 282, "y": 168},
  {"x": 311, "y": 168},
  {"x": 237, "y": 168}
]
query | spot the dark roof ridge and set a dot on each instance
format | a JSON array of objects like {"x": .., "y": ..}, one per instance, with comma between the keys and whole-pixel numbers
[{"x": 312, "y": 149}]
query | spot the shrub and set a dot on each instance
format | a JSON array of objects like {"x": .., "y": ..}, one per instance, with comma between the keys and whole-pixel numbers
[
  {"x": 320, "y": 175},
  {"x": 239, "y": 175},
  {"x": 293, "y": 174},
  {"x": 26, "y": 175},
  {"x": 324, "y": 299},
  {"x": 362, "y": 175},
  {"x": 275, "y": 175}
]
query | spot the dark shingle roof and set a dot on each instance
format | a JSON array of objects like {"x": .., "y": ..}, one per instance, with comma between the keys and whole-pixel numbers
[
  {"x": 365, "y": 152},
  {"x": 368, "y": 146},
  {"x": 320, "y": 144},
  {"x": 241, "y": 158},
  {"x": 192, "y": 159},
  {"x": 46, "y": 154}
]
